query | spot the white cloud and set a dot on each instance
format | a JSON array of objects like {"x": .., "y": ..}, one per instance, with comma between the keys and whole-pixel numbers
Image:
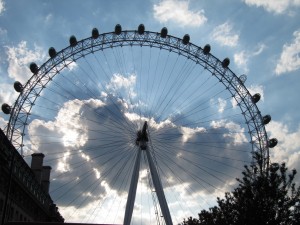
[
  {"x": 119, "y": 83},
  {"x": 97, "y": 128},
  {"x": 188, "y": 133},
  {"x": 253, "y": 89},
  {"x": 242, "y": 58},
  {"x": 2, "y": 6},
  {"x": 3, "y": 123},
  {"x": 3, "y": 32},
  {"x": 178, "y": 11},
  {"x": 224, "y": 35},
  {"x": 19, "y": 59},
  {"x": 222, "y": 105},
  {"x": 236, "y": 132},
  {"x": 276, "y": 6},
  {"x": 48, "y": 18},
  {"x": 288, "y": 147},
  {"x": 7, "y": 94},
  {"x": 290, "y": 57}
]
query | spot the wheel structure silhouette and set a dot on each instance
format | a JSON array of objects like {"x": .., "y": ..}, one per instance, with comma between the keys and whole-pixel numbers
[{"x": 137, "y": 123}]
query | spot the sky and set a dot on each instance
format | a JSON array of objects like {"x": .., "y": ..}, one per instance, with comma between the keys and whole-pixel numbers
[{"x": 86, "y": 118}]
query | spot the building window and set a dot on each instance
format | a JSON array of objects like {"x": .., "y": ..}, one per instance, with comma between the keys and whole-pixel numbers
[{"x": 1, "y": 205}]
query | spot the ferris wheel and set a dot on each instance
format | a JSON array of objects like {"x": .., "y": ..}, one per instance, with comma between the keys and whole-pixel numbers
[{"x": 138, "y": 126}]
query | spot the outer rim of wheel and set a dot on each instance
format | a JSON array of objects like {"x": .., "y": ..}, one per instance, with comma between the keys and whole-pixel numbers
[{"x": 34, "y": 86}]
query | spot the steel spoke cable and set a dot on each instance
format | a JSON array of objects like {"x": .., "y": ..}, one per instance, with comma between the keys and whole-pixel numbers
[
  {"x": 108, "y": 78},
  {"x": 192, "y": 101},
  {"x": 101, "y": 203},
  {"x": 116, "y": 106},
  {"x": 92, "y": 109},
  {"x": 114, "y": 180},
  {"x": 201, "y": 153},
  {"x": 127, "y": 174},
  {"x": 170, "y": 86},
  {"x": 79, "y": 151},
  {"x": 105, "y": 90},
  {"x": 87, "y": 175},
  {"x": 212, "y": 146},
  {"x": 83, "y": 162},
  {"x": 147, "y": 80},
  {"x": 194, "y": 92},
  {"x": 159, "y": 83},
  {"x": 152, "y": 84},
  {"x": 200, "y": 167},
  {"x": 177, "y": 86},
  {"x": 140, "y": 80},
  {"x": 193, "y": 112},
  {"x": 188, "y": 173},
  {"x": 169, "y": 185},
  {"x": 83, "y": 172},
  {"x": 165, "y": 84},
  {"x": 123, "y": 72},
  {"x": 104, "y": 175},
  {"x": 74, "y": 83},
  {"x": 202, "y": 121},
  {"x": 92, "y": 159},
  {"x": 189, "y": 189}
]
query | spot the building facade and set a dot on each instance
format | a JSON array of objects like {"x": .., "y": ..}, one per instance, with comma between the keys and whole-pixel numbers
[{"x": 24, "y": 190}]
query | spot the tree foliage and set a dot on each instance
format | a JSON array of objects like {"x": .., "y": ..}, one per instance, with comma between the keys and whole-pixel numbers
[{"x": 263, "y": 196}]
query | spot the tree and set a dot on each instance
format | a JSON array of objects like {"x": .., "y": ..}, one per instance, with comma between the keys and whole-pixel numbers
[{"x": 263, "y": 196}]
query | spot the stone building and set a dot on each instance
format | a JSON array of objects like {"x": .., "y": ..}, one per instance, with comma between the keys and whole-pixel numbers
[{"x": 24, "y": 191}]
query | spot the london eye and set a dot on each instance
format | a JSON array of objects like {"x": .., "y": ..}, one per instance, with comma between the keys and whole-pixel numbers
[{"x": 139, "y": 127}]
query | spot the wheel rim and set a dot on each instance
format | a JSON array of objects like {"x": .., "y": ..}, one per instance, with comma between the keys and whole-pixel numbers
[{"x": 84, "y": 50}]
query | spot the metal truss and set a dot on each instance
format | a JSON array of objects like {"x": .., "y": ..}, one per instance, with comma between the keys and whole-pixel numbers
[{"x": 45, "y": 73}]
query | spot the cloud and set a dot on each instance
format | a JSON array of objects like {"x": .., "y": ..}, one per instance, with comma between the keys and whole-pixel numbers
[
  {"x": 90, "y": 142},
  {"x": 290, "y": 56},
  {"x": 120, "y": 83},
  {"x": 178, "y": 11},
  {"x": 288, "y": 147},
  {"x": 225, "y": 36},
  {"x": 49, "y": 18},
  {"x": 2, "y": 6},
  {"x": 95, "y": 141},
  {"x": 277, "y": 7},
  {"x": 253, "y": 89},
  {"x": 7, "y": 94},
  {"x": 19, "y": 59},
  {"x": 3, "y": 123},
  {"x": 242, "y": 58}
]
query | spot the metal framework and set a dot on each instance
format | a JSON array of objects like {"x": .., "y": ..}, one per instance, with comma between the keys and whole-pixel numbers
[{"x": 234, "y": 84}]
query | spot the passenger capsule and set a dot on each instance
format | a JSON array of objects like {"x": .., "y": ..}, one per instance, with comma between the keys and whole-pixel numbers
[
  {"x": 95, "y": 33},
  {"x": 225, "y": 62},
  {"x": 206, "y": 49},
  {"x": 6, "y": 108},
  {"x": 256, "y": 98},
  {"x": 186, "y": 39},
  {"x": 266, "y": 119},
  {"x": 33, "y": 67},
  {"x": 18, "y": 86},
  {"x": 272, "y": 142},
  {"x": 141, "y": 29},
  {"x": 118, "y": 29},
  {"x": 73, "y": 41},
  {"x": 164, "y": 32},
  {"x": 243, "y": 78},
  {"x": 52, "y": 52}
]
